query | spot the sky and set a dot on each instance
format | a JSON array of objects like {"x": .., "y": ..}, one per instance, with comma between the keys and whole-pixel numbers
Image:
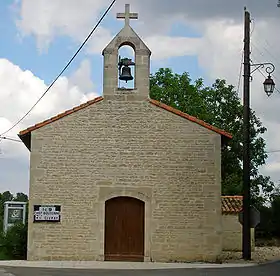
[{"x": 202, "y": 37}]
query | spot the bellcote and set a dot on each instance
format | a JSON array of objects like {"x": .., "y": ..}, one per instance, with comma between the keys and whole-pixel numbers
[{"x": 112, "y": 68}]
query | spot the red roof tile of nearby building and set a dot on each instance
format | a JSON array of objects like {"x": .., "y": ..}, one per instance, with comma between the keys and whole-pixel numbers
[
  {"x": 232, "y": 204},
  {"x": 25, "y": 133}
]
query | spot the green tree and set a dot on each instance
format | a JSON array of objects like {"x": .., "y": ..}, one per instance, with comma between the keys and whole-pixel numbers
[
  {"x": 220, "y": 106},
  {"x": 6, "y": 196},
  {"x": 21, "y": 197},
  {"x": 14, "y": 242},
  {"x": 275, "y": 210},
  {"x": 269, "y": 227}
]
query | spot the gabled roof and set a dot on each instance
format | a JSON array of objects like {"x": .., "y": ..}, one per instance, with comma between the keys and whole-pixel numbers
[
  {"x": 191, "y": 118},
  {"x": 127, "y": 36},
  {"x": 24, "y": 135},
  {"x": 232, "y": 204}
]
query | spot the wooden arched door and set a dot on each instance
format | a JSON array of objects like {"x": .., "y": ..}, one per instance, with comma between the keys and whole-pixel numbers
[{"x": 124, "y": 229}]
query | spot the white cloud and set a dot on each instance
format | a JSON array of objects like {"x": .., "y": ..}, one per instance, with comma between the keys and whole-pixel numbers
[
  {"x": 218, "y": 50},
  {"x": 39, "y": 18},
  {"x": 48, "y": 19},
  {"x": 99, "y": 40},
  {"x": 221, "y": 51},
  {"x": 19, "y": 91},
  {"x": 82, "y": 77},
  {"x": 164, "y": 47}
]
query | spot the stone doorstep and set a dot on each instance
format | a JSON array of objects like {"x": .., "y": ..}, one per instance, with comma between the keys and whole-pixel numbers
[{"x": 117, "y": 265}]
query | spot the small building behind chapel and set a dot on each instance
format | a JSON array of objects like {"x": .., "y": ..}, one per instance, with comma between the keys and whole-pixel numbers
[{"x": 124, "y": 177}]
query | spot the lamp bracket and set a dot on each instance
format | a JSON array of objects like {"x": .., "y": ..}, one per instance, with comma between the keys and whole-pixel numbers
[{"x": 269, "y": 67}]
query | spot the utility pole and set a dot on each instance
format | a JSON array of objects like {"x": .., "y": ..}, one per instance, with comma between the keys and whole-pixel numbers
[
  {"x": 246, "y": 237},
  {"x": 269, "y": 86}
]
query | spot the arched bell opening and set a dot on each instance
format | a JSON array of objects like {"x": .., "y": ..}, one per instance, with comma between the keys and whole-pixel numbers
[{"x": 126, "y": 66}]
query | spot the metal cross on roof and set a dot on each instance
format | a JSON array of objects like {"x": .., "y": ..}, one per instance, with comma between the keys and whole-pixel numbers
[{"x": 127, "y": 15}]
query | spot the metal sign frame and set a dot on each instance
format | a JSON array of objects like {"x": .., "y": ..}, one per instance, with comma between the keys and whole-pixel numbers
[
  {"x": 13, "y": 205},
  {"x": 37, "y": 207}
]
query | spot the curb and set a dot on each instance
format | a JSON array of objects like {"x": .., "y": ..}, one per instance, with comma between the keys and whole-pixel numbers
[
  {"x": 269, "y": 263},
  {"x": 118, "y": 265}
]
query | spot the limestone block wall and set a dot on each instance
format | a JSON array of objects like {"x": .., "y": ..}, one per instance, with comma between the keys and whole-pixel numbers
[
  {"x": 232, "y": 233},
  {"x": 126, "y": 148}
]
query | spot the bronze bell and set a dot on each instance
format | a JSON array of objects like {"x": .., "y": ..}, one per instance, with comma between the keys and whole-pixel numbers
[{"x": 126, "y": 74}]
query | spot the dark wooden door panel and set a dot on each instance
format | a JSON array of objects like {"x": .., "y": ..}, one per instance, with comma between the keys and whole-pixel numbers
[{"x": 124, "y": 229}]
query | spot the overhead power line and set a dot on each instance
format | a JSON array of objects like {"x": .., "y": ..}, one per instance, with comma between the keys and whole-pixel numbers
[
  {"x": 64, "y": 69},
  {"x": 272, "y": 151},
  {"x": 268, "y": 52},
  {"x": 240, "y": 72},
  {"x": 10, "y": 139}
]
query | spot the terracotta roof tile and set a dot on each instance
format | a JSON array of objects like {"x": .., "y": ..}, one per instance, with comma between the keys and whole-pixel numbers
[
  {"x": 190, "y": 118},
  {"x": 24, "y": 134},
  {"x": 232, "y": 204}
]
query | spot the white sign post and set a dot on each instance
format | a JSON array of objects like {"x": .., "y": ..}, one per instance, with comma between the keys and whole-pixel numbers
[{"x": 14, "y": 212}]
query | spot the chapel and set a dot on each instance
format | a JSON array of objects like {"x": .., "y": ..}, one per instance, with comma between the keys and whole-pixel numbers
[{"x": 124, "y": 177}]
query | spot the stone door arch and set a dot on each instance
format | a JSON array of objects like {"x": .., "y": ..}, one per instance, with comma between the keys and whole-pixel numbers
[{"x": 124, "y": 229}]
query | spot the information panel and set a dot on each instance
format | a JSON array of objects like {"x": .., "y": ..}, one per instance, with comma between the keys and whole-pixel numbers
[
  {"x": 14, "y": 212},
  {"x": 47, "y": 213}
]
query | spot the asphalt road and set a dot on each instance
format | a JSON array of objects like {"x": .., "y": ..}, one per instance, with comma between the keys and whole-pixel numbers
[{"x": 272, "y": 269}]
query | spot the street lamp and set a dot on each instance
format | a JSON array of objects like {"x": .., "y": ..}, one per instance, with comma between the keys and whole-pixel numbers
[{"x": 268, "y": 84}]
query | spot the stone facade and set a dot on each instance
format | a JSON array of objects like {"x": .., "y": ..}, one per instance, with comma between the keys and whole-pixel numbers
[
  {"x": 232, "y": 233},
  {"x": 126, "y": 148}
]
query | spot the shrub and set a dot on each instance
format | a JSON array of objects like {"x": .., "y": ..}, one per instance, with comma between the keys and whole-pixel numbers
[{"x": 14, "y": 242}]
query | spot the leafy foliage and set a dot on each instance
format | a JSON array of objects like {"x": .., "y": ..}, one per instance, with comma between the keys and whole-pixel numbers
[
  {"x": 270, "y": 223},
  {"x": 14, "y": 242},
  {"x": 220, "y": 106}
]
